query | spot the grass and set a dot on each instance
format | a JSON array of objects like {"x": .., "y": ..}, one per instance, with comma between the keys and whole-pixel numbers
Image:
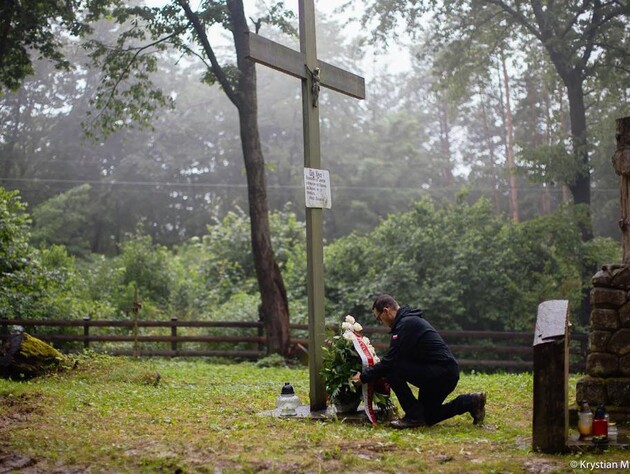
[{"x": 114, "y": 415}]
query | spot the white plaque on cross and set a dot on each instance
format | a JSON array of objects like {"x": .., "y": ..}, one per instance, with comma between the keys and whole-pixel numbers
[{"x": 317, "y": 188}]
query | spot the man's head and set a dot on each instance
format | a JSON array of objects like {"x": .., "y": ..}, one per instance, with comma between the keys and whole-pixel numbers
[{"x": 385, "y": 308}]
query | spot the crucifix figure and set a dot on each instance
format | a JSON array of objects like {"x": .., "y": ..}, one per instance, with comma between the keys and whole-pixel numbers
[{"x": 314, "y": 74}]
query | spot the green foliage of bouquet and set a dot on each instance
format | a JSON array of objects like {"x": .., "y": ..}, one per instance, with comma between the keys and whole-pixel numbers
[
  {"x": 386, "y": 410},
  {"x": 340, "y": 363}
]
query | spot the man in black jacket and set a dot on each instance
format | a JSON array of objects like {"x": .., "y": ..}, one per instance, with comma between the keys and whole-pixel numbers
[{"x": 418, "y": 355}]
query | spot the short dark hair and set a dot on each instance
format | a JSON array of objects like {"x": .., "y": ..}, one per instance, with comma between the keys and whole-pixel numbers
[{"x": 383, "y": 301}]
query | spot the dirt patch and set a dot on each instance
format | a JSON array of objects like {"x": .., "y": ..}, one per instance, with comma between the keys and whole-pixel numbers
[
  {"x": 358, "y": 447},
  {"x": 13, "y": 462},
  {"x": 542, "y": 466},
  {"x": 16, "y": 409}
]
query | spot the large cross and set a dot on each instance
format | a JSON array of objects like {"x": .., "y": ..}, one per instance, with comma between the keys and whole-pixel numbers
[{"x": 314, "y": 73}]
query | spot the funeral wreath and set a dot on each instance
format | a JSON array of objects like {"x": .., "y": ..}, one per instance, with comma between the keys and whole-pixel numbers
[{"x": 341, "y": 361}]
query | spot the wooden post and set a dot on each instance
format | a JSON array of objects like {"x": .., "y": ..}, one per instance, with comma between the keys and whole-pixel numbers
[
  {"x": 86, "y": 332},
  {"x": 135, "y": 310},
  {"x": 174, "y": 335},
  {"x": 621, "y": 163},
  {"x": 314, "y": 74},
  {"x": 551, "y": 377},
  {"x": 260, "y": 332}
]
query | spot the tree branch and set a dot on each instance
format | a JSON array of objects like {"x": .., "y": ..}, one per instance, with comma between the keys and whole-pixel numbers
[
  {"x": 518, "y": 16},
  {"x": 571, "y": 23},
  {"x": 193, "y": 18},
  {"x": 125, "y": 70}
]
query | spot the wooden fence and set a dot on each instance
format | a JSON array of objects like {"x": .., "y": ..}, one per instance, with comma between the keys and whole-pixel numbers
[{"x": 475, "y": 350}]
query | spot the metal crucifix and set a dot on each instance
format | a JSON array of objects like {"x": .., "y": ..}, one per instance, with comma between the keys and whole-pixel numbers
[{"x": 314, "y": 74}]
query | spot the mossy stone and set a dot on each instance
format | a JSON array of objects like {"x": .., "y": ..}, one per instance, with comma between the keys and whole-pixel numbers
[{"x": 25, "y": 356}]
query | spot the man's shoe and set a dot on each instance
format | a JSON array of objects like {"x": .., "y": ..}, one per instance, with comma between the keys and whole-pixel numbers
[
  {"x": 405, "y": 423},
  {"x": 478, "y": 410}
]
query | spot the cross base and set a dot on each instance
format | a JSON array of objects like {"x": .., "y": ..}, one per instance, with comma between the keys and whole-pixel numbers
[{"x": 328, "y": 414}]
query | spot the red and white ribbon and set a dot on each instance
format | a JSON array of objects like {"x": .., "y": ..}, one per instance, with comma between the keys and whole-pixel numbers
[{"x": 367, "y": 359}]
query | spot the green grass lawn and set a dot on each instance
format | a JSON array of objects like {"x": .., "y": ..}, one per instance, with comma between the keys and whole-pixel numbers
[{"x": 109, "y": 415}]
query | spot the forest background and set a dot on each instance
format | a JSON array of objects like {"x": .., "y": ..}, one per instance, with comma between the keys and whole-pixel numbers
[{"x": 450, "y": 191}]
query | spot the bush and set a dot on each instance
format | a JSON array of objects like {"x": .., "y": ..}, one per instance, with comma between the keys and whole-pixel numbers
[
  {"x": 466, "y": 267},
  {"x": 35, "y": 283}
]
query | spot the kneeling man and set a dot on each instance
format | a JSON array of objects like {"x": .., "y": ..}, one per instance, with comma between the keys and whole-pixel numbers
[{"x": 418, "y": 355}]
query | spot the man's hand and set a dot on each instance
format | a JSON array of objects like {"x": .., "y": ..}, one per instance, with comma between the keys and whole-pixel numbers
[{"x": 356, "y": 378}]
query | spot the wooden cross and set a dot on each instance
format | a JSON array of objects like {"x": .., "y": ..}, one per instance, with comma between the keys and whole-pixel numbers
[{"x": 314, "y": 74}]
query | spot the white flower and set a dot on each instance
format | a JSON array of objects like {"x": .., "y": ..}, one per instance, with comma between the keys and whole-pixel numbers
[
  {"x": 357, "y": 327},
  {"x": 350, "y": 319},
  {"x": 346, "y": 326},
  {"x": 348, "y": 335},
  {"x": 366, "y": 341}
]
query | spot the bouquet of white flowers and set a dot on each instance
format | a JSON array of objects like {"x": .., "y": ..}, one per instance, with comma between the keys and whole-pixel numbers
[{"x": 345, "y": 355}]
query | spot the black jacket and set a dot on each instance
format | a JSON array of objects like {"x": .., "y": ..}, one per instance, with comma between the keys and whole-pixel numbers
[{"x": 413, "y": 342}]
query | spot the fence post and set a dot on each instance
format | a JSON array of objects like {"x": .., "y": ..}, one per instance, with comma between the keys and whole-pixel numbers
[
  {"x": 86, "y": 332},
  {"x": 174, "y": 335},
  {"x": 551, "y": 377},
  {"x": 135, "y": 311},
  {"x": 260, "y": 332}
]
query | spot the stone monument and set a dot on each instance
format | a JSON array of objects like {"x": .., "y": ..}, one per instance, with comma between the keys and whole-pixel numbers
[{"x": 608, "y": 360}]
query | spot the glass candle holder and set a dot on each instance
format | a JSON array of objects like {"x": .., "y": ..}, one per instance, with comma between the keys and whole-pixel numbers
[
  {"x": 288, "y": 401},
  {"x": 585, "y": 423}
]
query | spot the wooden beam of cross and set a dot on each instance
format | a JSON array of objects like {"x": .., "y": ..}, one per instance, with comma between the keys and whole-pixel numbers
[
  {"x": 293, "y": 62},
  {"x": 314, "y": 74}
]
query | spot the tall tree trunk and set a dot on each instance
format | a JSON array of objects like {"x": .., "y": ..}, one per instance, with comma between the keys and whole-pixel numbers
[
  {"x": 491, "y": 150},
  {"x": 274, "y": 310},
  {"x": 566, "y": 194},
  {"x": 571, "y": 62},
  {"x": 445, "y": 143},
  {"x": 545, "y": 200},
  {"x": 509, "y": 130},
  {"x": 570, "y": 67},
  {"x": 581, "y": 185},
  {"x": 10, "y": 148}
]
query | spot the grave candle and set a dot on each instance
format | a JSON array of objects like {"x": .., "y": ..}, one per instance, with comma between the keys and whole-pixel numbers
[{"x": 288, "y": 401}]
